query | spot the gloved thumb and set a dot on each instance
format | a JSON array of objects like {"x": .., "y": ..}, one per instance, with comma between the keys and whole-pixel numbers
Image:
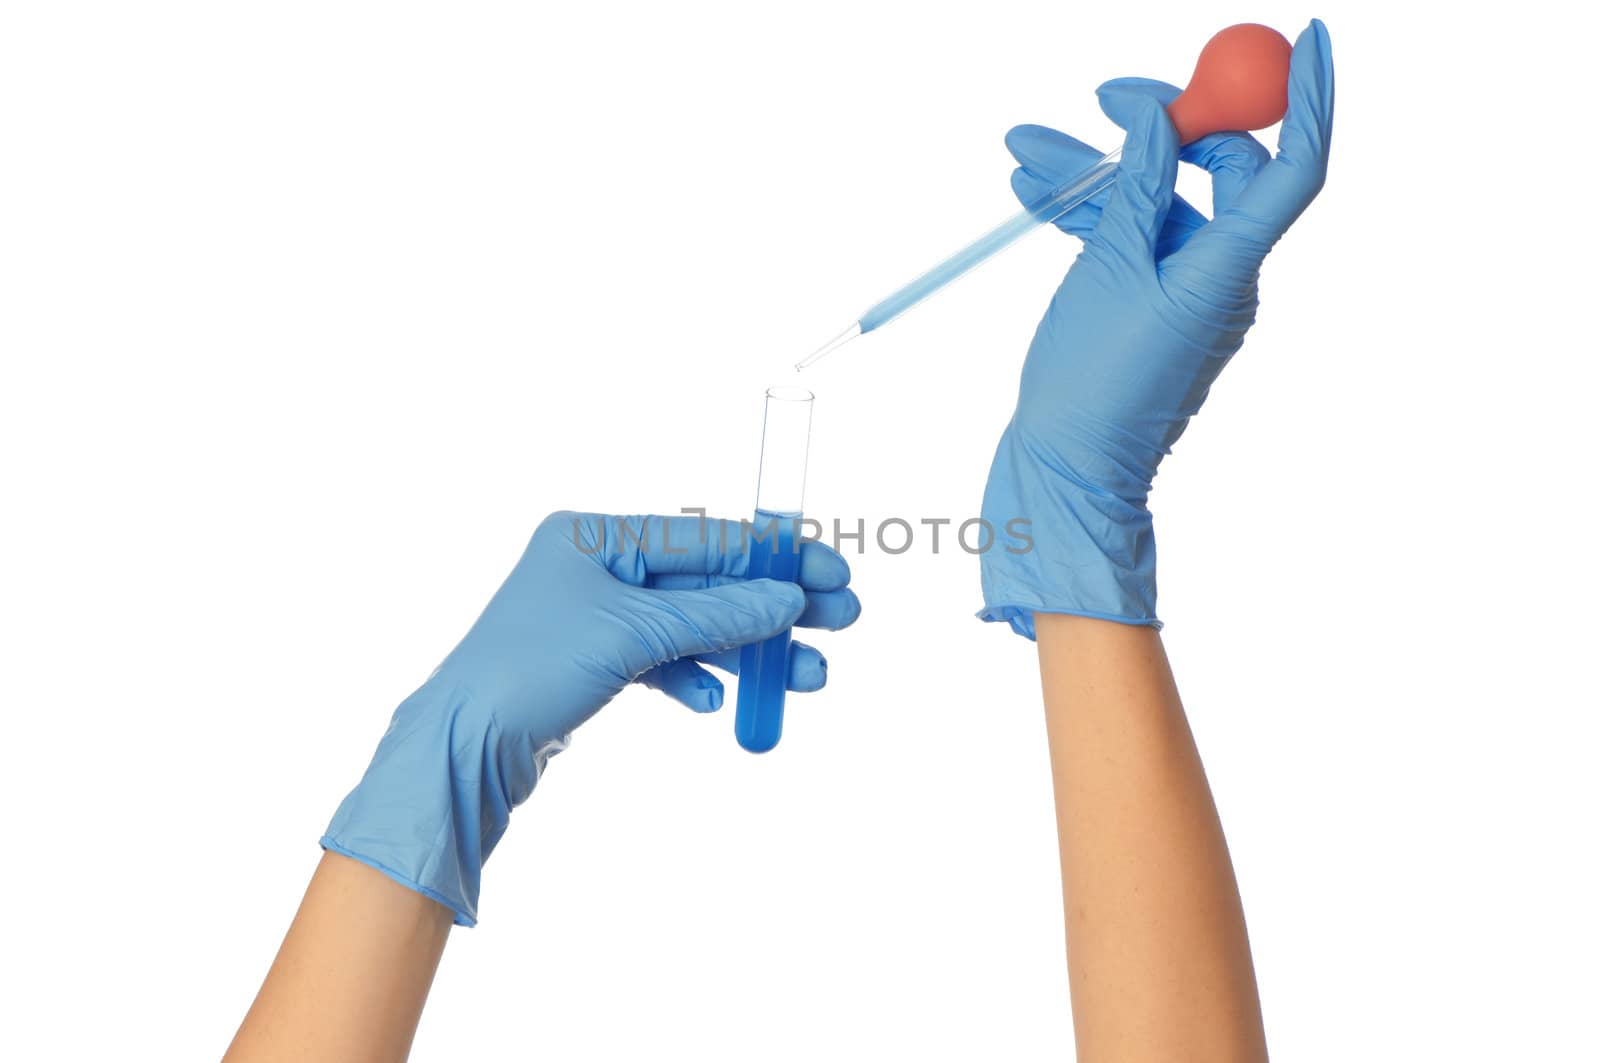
[
  {"x": 686, "y": 622},
  {"x": 1142, "y": 196}
]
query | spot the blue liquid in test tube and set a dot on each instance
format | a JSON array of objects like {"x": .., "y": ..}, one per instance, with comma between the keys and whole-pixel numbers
[{"x": 774, "y": 547}]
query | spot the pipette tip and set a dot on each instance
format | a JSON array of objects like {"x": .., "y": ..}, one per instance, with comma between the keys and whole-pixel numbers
[{"x": 828, "y": 348}]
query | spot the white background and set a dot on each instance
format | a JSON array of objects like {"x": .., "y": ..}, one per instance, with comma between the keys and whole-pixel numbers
[{"x": 310, "y": 311}]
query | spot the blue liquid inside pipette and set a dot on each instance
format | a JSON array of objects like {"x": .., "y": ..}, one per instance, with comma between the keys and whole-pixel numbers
[
  {"x": 968, "y": 258},
  {"x": 764, "y": 666},
  {"x": 1042, "y": 211}
]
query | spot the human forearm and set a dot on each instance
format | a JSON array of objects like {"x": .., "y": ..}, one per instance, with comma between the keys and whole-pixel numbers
[
  {"x": 1158, "y": 957},
  {"x": 352, "y": 975}
]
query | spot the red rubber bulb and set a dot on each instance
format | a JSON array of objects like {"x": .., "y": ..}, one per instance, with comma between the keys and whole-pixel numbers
[{"x": 1240, "y": 81}]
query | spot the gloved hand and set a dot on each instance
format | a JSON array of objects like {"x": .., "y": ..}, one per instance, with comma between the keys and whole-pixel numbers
[
  {"x": 1153, "y": 308},
  {"x": 596, "y": 603}
]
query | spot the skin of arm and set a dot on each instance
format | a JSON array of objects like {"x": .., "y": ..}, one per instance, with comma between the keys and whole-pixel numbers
[
  {"x": 352, "y": 975},
  {"x": 1157, "y": 954}
]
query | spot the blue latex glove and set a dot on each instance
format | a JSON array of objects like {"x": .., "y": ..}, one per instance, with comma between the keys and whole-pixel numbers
[
  {"x": 1153, "y": 308},
  {"x": 596, "y": 603}
]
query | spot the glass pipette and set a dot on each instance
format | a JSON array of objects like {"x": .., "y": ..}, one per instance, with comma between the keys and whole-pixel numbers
[
  {"x": 1240, "y": 82},
  {"x": 1042, "y": 211}
]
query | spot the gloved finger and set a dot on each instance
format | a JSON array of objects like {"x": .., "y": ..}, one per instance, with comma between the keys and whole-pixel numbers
[
  {"x": 1046, "y": 160},
  {"x": 673, "y": 624},
  {"x": 808, "y": 668},
  {"x": 1131, "y": 223},
  {"x": 692, "y": 545},
  {"x": 822, "y": 570},
  {"x": 1182, "y": 219},
  {"x": 685, "y": 681},
  {"x": 636, "y": 547},
  {"x": 1117, "y": 100},
  {"x": 1232, "y": 160},
  {"x": 1283, "y": 188},
  {"x": 1050, "y": 159},
  {"x": 1079, "y": 221},
  {"x": 1049, "y": 153},
  {"x": 830, "y": 610}
]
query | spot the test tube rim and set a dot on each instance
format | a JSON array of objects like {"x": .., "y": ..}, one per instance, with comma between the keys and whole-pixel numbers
[{"x": 785, "y": 446}]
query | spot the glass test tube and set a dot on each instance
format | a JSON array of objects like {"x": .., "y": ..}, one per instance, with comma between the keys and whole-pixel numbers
[{"x": 774, "y": 545}]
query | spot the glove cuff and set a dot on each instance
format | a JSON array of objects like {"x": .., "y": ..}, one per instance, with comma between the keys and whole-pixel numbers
[
  {"x": 1087, "y": 553},
  {"x": 437, "y": 798}
]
